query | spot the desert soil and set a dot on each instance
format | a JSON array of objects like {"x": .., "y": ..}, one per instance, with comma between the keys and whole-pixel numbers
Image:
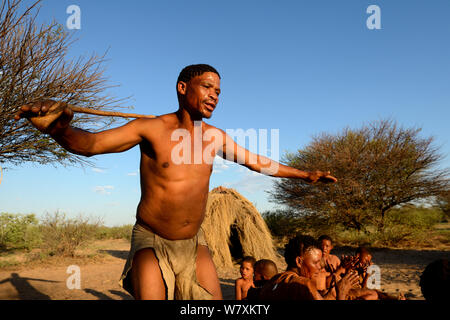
[{"x": 400, "y": 272}]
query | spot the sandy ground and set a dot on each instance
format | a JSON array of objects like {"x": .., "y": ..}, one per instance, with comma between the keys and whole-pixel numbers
[{"x": 400, "y": 272}]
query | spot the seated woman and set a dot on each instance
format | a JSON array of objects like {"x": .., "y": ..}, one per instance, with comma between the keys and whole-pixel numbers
[{"x": 303, "y": 257}]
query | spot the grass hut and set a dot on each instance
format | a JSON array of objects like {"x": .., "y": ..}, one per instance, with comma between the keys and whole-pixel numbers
[{"x": 234, "y": 229}]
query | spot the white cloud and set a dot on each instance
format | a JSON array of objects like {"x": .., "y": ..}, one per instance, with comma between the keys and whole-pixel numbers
[
  {"x": 251, "y": 182},
  {"x": 103, "y": 189},
  {"x": 132, "y": 173},
  {"x": 220, "y": 164},
  {"x": 98, "y": 170}
]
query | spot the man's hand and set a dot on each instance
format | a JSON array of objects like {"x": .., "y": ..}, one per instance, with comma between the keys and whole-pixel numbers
[
  {"x": 349, "y": 262},
  {"x": 320, "y": 176},
  {"x": 343, "y": 286},
  {"x": 47, "y": 116},
  {"x": 329, "y": 267}
]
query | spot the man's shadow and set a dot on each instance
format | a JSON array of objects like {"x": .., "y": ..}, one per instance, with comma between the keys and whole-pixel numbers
[
  {"x": 122, "y": 254},
  {"x": 102, "y": 296},
  {"x": 24, "y": 289}
]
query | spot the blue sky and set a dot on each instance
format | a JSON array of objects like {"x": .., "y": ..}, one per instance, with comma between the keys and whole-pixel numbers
[{"x": 302, "y": 67}]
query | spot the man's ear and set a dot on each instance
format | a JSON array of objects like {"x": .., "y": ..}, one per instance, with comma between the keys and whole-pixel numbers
[
  {"x": 181, "y": 87},
  {"x": 299, "y": 261}
]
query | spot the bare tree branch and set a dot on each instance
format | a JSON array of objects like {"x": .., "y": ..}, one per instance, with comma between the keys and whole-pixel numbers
[{"x": 33, "y": 66}]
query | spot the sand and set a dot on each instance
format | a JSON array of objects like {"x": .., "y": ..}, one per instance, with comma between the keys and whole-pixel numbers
[{"x": 400, "y": 272}]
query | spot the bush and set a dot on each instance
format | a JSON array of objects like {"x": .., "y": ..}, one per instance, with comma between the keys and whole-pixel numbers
[
  {"x": 18, "y": 231},
  {"x": 285, "y": 224},
  {"x": 121, "y": 232},
  {"x": 62, "y": 236},
  {"x": 405, "y": 226},
  {"x": 414, "y": 218},
  {"x": 281, "y": 223},
  {"x": 54, "y": 235}
]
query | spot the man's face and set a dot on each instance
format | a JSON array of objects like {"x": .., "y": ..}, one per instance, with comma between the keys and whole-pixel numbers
[
  {"x": 200, "y": 95},
  {"x": 311, "y": 262},
  {"x": 326, "y": 246}
]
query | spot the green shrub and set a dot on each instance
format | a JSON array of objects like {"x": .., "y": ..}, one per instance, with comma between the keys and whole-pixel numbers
[
  {"x": 281, "y": 223},
  {"x": 285, "y": 224},
  {"x": 121, "y": 232},
  {"x": 62, "y": 236},
  {"x": 18, "y": 231},
  {"x": 351, "y": 237},
  {"x": 414, "y": 218},
  {"x": 403, "y": 227}
]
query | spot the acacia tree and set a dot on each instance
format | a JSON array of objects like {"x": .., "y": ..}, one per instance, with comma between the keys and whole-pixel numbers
[
  {"x": 33, "y": 66},
  {"x": 378, "y": 167}
]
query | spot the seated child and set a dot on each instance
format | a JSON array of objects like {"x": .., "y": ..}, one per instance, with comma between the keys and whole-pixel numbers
[
  {"x": 364, "y": 260},
  {"x": 265, "y": 269},
  {"x": 326, "y": 244},
  {"x": 360, "y": 262},
  {"x": 246, "y": 281},
  {"x": 330, "y": 263}
]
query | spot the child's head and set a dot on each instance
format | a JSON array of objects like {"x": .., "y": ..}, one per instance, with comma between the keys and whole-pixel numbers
[
  {"x": 326, "y": 244},
  {"x": 364, "y": 255},
  {"x": 265, "y": 269},
  {"x": 247, "y": 267}
]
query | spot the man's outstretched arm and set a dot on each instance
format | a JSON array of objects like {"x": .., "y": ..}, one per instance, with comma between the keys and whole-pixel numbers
[
  {"x": 234, "y": 152},
  {"x": 43, "y": 116}
]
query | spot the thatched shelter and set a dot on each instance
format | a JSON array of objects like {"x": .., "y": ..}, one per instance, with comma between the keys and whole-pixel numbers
[{"x": 234, "y": 228}]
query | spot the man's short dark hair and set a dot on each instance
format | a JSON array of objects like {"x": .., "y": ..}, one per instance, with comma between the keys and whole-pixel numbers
[
  {"x": 195, "y": 70},
  {"x": 324, "y": 237},
  {"x": 435, "y": 281},
  {"x": 297, "y": 246}
]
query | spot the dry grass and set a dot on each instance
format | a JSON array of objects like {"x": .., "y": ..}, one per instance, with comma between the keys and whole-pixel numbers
[{"x": 226, "y": 208}]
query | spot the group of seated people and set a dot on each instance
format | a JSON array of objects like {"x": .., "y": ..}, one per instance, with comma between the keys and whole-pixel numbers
[{"x": 312, "y": 273}]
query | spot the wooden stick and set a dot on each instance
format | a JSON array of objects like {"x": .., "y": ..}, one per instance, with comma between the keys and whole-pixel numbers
[{"x": 108, "y": 113}]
